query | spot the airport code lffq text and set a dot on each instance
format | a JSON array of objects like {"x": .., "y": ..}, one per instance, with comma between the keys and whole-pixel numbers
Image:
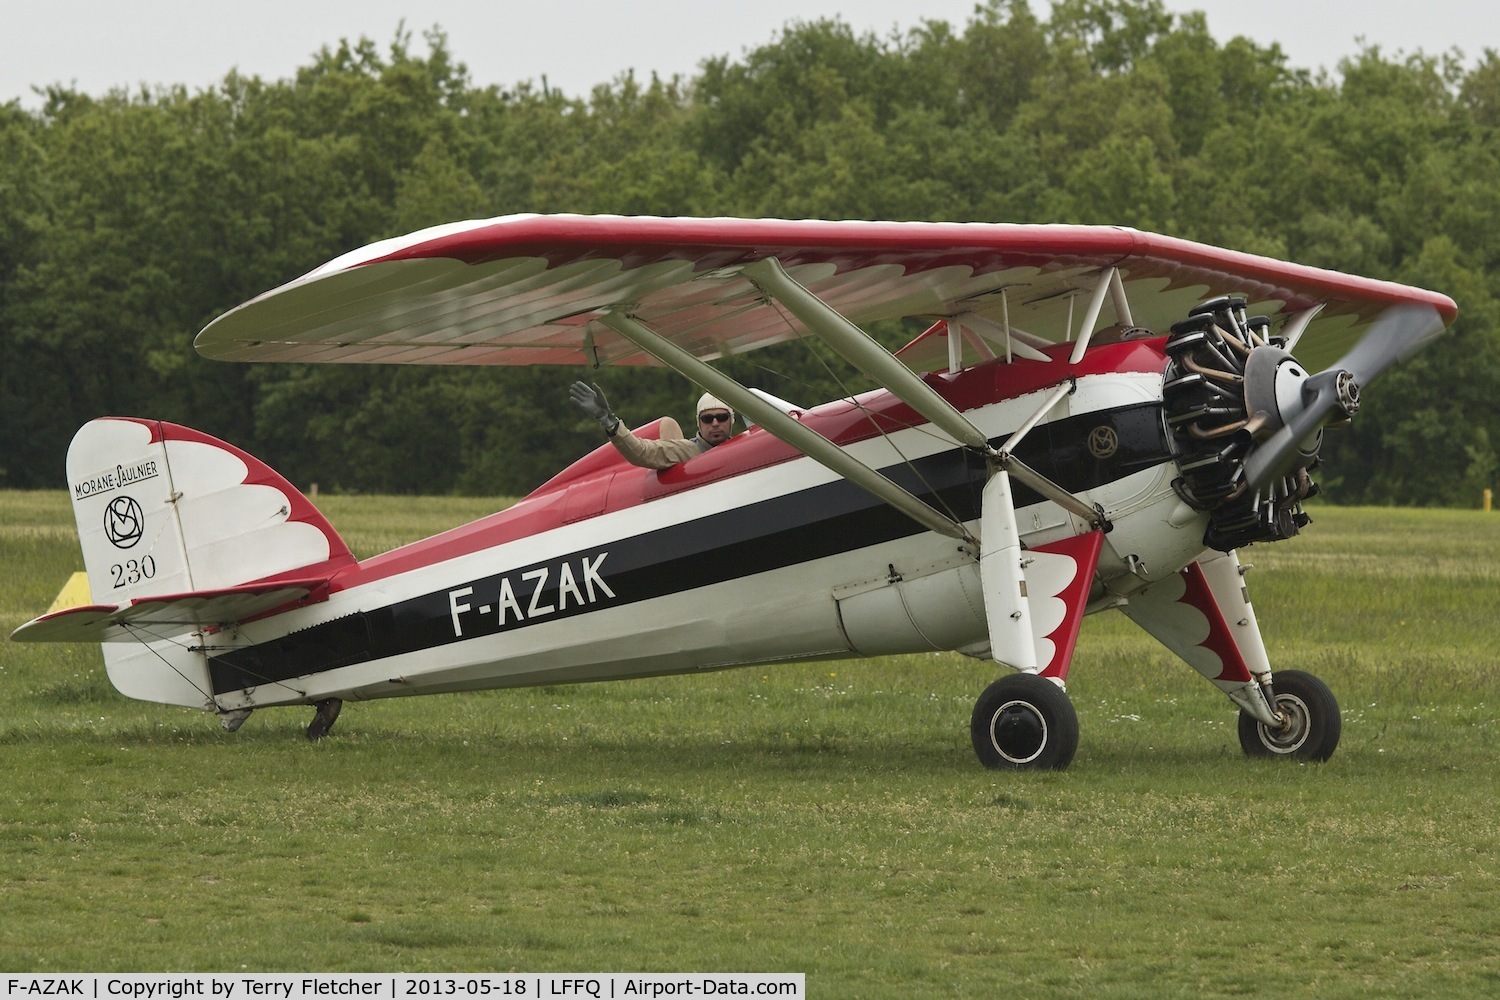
[{"x": 319, "y": 986}]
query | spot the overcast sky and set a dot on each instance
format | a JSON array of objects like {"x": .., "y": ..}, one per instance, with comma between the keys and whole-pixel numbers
[{"x": 99, "y": 44}]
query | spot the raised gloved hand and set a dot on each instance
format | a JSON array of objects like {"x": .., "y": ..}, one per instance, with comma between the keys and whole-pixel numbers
[{"x": 591, "y": 400}]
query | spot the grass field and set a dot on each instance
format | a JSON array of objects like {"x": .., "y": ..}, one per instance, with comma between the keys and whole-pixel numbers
[{"x": 828, "y": 819}]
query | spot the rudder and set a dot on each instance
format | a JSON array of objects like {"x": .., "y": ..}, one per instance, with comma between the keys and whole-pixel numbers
[{"x": 164, "y": 509}]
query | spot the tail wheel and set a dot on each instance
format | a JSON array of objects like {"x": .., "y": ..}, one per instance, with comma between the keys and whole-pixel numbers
[
  {"x": 1024, "y": 722},
  {"x": 1312, "y": 727}
]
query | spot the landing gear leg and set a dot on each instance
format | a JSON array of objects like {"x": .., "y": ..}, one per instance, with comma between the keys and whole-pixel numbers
[{"x": 324, "y": 718}]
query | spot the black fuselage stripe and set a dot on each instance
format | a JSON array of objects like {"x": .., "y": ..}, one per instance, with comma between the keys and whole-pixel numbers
[{"x": 800, "y": 527}]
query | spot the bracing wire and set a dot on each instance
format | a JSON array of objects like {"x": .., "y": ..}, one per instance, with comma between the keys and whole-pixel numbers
[
  {"x": 853, "y": 400},
  {"x": 146, "y": 638}
]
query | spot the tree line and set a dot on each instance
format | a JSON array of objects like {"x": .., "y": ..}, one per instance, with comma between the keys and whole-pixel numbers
[{"x": 130, "y": 220}]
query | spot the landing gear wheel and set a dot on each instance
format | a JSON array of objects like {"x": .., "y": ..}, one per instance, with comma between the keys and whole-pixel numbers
[
  {"x": 1313, "y": 723},
  {"x": 324, "y": 718},
  {"x": 1024, "y": 722}
]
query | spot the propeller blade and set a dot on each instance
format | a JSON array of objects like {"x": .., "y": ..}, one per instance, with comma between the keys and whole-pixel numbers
[
  {"x": 1333, "y": 394},
  {"x": 1396, "y": 335}
]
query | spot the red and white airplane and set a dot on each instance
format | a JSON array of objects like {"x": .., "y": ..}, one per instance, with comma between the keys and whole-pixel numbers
[{"x": 1097, "y": 418}]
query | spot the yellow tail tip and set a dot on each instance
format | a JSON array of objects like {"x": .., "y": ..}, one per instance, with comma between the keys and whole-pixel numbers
[{"x": 75, "y": 593}]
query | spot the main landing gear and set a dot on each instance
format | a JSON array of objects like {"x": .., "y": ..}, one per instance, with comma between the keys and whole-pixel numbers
[{"x": 1025, "y": 722}]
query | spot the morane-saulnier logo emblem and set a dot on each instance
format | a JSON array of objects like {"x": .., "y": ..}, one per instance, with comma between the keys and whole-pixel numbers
[
  {"x": 124, "y": 522},
  {"x": 1103, "y": 441}
]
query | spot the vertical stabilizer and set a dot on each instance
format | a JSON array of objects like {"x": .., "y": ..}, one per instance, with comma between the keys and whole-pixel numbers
[
  {"x": 121, "y": 487},
  {"x": 163, "y": 510}
]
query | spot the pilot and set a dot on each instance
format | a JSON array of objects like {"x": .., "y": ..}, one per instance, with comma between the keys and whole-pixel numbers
[{"x": 715, "y": 426}]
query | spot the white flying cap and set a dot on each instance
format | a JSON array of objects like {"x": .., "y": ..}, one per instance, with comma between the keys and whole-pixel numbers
[{"x": 708, "y": 401}]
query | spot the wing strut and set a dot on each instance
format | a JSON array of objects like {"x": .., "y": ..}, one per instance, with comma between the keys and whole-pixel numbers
[
  {"x": 1117, "y": 296},
  {"x": 1297, "y": 325},
  {"x": 1004, "y": 459},
  {"x": 863, "y": 353},
  {"x": 784, "y": 426},
  {"x": 1086, "y": 332},
  {"x": 987, "y": 331},
  {"x": 855, "y": 346},
  {"x": 869, "y": 357}
]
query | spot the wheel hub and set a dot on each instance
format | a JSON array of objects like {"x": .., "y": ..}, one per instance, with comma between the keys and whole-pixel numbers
[
  {"x": 1295, "y": 726},
  {"x": 1018, "y": 732}
]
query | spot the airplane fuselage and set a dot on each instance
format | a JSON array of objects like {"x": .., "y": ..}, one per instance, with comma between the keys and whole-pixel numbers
[{"x": 751, "y": 553}]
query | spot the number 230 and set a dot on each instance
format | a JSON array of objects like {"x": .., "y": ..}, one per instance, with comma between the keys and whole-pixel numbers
[{"x": 134, "y": 571}]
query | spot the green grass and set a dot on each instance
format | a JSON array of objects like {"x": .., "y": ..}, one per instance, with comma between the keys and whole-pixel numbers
[{"x": 822, "y": 818}]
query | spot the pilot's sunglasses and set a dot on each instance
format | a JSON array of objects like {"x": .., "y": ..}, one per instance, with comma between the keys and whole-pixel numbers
[{"x": 713, "y": 418}]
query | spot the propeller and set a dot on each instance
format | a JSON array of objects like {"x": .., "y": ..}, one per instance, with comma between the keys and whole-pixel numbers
[{"x": 1290, "y": 408}]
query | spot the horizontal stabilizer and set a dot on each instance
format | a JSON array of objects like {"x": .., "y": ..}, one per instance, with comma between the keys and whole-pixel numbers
[{"x": 152, "y": 617}]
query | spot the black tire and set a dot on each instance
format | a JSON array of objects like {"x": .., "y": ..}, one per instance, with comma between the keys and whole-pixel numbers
[
  {"x": 1314, "y": 722},
  {"x": 324, "y": 718},
  {"x": 1024, "y": 722}
]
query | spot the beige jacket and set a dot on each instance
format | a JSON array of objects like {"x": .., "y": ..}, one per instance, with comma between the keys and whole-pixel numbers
[{"x": 664, "y": 453}]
